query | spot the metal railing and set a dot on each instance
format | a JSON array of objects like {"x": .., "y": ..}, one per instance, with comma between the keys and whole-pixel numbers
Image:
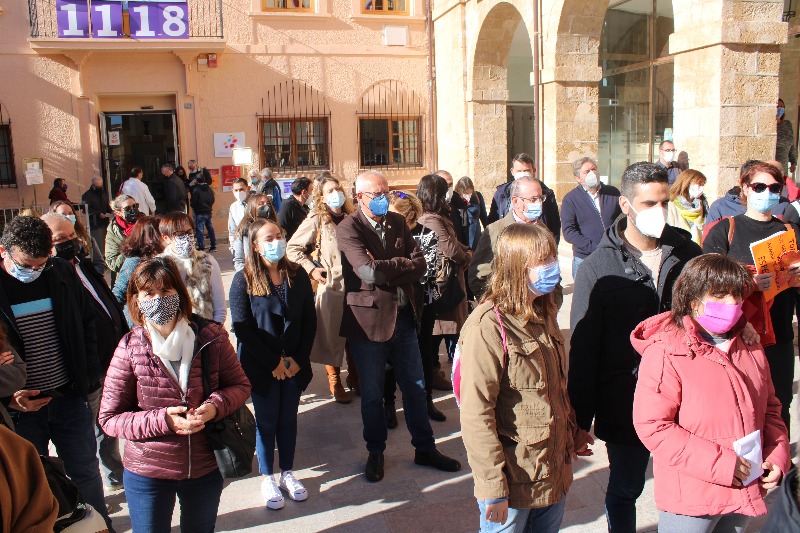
[{"x": 205, "y": 19}]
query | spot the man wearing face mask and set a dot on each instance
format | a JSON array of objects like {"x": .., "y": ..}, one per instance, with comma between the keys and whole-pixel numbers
[
  {"x": 527, "y": 204},
  {"x": 174, "y": 191},
  {"x": 96, "y": 201},
  {"x": 666, "y": 160},
  {"x": 522, "y": 166},
  {"x": 587, "y": 210},
  {"x": 785, "y": 147},
  {"x": 51, "y": 324},
  {"x": 241, "y": 190},
  {"x": 380, "y": 264},
  {"x": 628, "y": 278},
  {"x": 294, "y": 210},
  {"x": 110, "y": 326}
]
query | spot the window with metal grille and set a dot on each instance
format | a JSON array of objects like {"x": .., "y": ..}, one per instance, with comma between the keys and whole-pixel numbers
[
  {"x": 288, "y": 5},
  {"x": 295, "y": 129},
  {"x": 8, "y": 177},
  {"x": 390, "y": 133},
  {"x": 394, "y": 7}
]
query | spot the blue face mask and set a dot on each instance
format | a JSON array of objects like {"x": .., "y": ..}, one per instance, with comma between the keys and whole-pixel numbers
[
  {"x": 533, "y": 211},
  {"x": 335, "y": 200},
  {"x": 379, "y": 205},
  {"x": 763, "y": 202},
  {"x": 71, "y": 218},
  {"x": 273, "y": 251},
  {"x": 781, "y": 112},
  {"x": 549, "y": 276},
  {"x": 24, "y": 274}
]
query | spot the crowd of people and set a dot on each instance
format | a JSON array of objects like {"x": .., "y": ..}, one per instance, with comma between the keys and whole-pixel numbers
[{"x": 675, "y": 352}]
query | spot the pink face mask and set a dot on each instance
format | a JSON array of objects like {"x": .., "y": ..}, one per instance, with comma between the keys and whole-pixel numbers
[{"x": 718, "y": 317}]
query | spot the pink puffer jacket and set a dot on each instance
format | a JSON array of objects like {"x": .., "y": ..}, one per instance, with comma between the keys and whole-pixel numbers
[
  {"x": 138, "y": 390},
  {"x": 692, "y": 401}
]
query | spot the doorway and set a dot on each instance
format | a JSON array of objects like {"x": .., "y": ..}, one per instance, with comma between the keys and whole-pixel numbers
[
  {"x": 138, "y": 138},
  {"x": 521, "y": 130}
]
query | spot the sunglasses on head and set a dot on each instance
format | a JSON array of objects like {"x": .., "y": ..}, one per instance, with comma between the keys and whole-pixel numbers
[
  {"x": 399, "y": 194},
  {"x": 775, "y": 188}
]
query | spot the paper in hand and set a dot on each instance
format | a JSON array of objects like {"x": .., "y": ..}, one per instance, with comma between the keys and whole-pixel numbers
[{"x": 749, "y": 447}]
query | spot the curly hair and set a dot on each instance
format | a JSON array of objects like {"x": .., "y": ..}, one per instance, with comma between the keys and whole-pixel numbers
[{"x": 30, "y": 235}]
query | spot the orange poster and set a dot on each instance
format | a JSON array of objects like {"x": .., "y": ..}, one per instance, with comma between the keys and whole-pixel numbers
[
  {"x": 214, "y": 173},
  {"x": 767, "y": 256}
]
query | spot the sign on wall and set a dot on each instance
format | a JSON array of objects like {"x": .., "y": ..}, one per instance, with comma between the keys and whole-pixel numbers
[
  {"x": 34, "y": 170},
  {"x": 229, "y": 173},
  {"x": 114, "y": 138},
  {"x": 224, "y": 143},
  {"x": 148, "y": 20}
]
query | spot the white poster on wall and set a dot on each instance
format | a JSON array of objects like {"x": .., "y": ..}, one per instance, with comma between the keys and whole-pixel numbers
[
  {"x": 113, "y": 138},
  {"x": 224, "y": 143}
]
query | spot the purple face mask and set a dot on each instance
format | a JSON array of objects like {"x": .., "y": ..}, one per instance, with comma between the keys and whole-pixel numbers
[{"x": 719, "y": 318}]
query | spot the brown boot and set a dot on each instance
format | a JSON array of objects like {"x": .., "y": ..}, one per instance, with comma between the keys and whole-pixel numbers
[
  {"x": 338, "y": 392},
  {"x": 352, "y": 374}
]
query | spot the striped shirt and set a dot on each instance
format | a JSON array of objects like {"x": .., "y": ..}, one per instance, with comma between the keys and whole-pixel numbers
[{"x": 47, "y": 367}]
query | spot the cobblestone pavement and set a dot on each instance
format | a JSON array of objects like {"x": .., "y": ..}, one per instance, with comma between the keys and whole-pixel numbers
[{"x": 330, "y": 460}]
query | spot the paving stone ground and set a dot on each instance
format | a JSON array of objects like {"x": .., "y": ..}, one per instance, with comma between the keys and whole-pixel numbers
[{"x": 330, "y": 460}]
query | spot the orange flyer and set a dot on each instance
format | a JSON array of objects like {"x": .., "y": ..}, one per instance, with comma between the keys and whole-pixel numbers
[{"x": 767, "y": 256}]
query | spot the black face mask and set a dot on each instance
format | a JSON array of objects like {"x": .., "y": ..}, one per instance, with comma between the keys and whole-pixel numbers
[
  {"x": 264, "y": 211},
  {"x": 67, "y": 250},
  {"x": 131, "y": 215}
]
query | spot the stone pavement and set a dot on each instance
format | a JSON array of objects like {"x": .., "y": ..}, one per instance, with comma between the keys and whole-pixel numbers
[{"x": 330, "y": 460}]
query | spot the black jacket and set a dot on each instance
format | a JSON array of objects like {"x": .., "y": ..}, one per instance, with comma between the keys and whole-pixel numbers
[
  {"x": 611, "y": 297},
  {"x": 291, "y": 215},
  {"x": 111, "y": 326},
  {"x": 784, "y": 515},
  {"x": 96, "y": 202},
  {"x": 202, "y": 199},
  {"x": 174, "y": 195},
  {"x": 266, "y": 329},
  {"x": 75, "y": 320},
  {"x": 501, "y": 205},
  {"x": 460, "y": 218}
]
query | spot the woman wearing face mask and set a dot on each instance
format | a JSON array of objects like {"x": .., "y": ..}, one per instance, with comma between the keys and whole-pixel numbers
[
  {"x": 518, "y": 425},
  {"x": 761, "y": 186},
  {"x": 154, "y": 398},
  {"x": 59, "y": 191},
  {"x": 126, "y": 213},
  {"x": 272, "y": 309},
  {"x": 258, "y": 206},
  {"x": 88, "y": 245},
  {"x": 688, "y": 206},
  {"x": 199, "y": 270},
  {"x": 143, "y": 243},
  {"x": 476, "y": 209},
  {"x": 315, "y": 248},
  {"x": 700, "y": 388},
  {"x": 436, "y": 323}
]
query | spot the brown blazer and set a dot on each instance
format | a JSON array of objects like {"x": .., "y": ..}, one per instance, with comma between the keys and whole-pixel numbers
[{"x": 370, "y": 285}]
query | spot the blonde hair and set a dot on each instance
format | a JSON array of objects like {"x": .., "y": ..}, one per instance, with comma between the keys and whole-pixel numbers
[
  {"x": 406, "y": 203},
  {"x": 321, "y": 208},
  {"x": 517, "y": 247},
  {"x": 684, "y": 181},
  {"x": 256, "y": 273}
]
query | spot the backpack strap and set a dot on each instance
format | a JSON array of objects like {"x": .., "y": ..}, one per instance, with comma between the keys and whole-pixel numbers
[{"x": 502, "y": 336}]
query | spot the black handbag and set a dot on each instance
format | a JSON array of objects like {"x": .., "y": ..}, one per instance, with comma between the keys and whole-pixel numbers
[
  {"x": 234, "y": 437},
  {"x": 451, "y": 294}
]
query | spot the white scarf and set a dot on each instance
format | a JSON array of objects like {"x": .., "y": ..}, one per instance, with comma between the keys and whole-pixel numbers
[{"x": 178, "y": 346}]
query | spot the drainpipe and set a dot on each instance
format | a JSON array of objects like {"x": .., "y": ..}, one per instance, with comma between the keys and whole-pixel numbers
[
  {"x": 431, "y": 86},
  {"x": 537, "y": 62}
]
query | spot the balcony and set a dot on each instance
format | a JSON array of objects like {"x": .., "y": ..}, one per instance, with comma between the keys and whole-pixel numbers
[{"x": 63, "y": 26}]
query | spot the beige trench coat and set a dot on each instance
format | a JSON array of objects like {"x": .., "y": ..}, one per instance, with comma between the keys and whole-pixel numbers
[{"x": 328, "y": 345}]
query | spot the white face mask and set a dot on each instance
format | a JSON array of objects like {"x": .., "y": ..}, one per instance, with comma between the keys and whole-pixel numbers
[
  {"x": 669, "y": 157},
  {"x": 591, "y": 180},
  {"x": 524, "y": 173},
  {"x": 240, "y": 195},
  {"x": 651, "y": 221},
  {"x": 467, "y": 197},
  {"x": 695, "y": 191},
  {"x": 335, "y": 199}
]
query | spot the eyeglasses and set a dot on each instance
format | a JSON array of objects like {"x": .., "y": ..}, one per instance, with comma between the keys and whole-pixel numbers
[
  {"x": 668, "y": 150},
  {"x": 373, "y": 194},
  {"x": 534, "y": 199},
  {"x": 775, "y": 188},
  {"x": 42, "y": 268},
  {"x": 134, "y": 207}
]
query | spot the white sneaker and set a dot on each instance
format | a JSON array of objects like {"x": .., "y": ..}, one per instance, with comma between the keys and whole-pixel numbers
[
  {"x": 294, "y": 488},
  {"x": 271, "y": 493}
]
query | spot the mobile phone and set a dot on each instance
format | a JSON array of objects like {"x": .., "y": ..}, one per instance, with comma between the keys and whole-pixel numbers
[{"x": 53, "y": 393}]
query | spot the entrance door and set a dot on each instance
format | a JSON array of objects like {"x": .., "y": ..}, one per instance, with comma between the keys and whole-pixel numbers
[
  {"x": 521, "y": 130},
  {"x": 138, "y": 139}
]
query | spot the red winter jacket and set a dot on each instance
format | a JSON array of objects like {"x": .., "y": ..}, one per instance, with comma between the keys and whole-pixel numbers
[
  {"x": 692, "y": 401},
  {"x": 138, "y": 389}
]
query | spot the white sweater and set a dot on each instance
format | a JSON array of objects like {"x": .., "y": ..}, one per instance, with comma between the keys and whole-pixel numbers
[{"x": 139, "y": 191}]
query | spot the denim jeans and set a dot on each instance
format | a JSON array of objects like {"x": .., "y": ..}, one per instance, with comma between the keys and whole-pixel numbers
[
  {"x": 403, "y": 352},
  {"x": 107, "y": 447},
  {"x": 201, "y": 221},
  {"x": 627, "y": 466},
  {"x": 68, "y": 422},
  {"x": 576, "y": 262},
  {"x": 151, "y": 502},
  {"x": 726, "y": 523},
  {"x": 542, "y": 520},
  {"x": 781, "y": 367},
  {"x": 276, "y": 421}
]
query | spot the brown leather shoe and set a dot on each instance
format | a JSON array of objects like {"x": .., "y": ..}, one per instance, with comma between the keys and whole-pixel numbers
[
  {"x": 338, "y": 392},
  {"x": 440, "y": 382}
]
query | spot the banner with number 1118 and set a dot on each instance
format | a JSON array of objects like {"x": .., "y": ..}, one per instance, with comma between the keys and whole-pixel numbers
[{"x": 103, "y": 19}]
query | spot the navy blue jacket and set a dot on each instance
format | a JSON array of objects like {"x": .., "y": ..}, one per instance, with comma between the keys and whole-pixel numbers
[
  {"x": 501, "y": 205},
  {"x": 672, "y": 171},
  {"x": 266, "y": 329},
  {"x": 583, "y": 226},
  {"x": 731, "y": 205}
]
